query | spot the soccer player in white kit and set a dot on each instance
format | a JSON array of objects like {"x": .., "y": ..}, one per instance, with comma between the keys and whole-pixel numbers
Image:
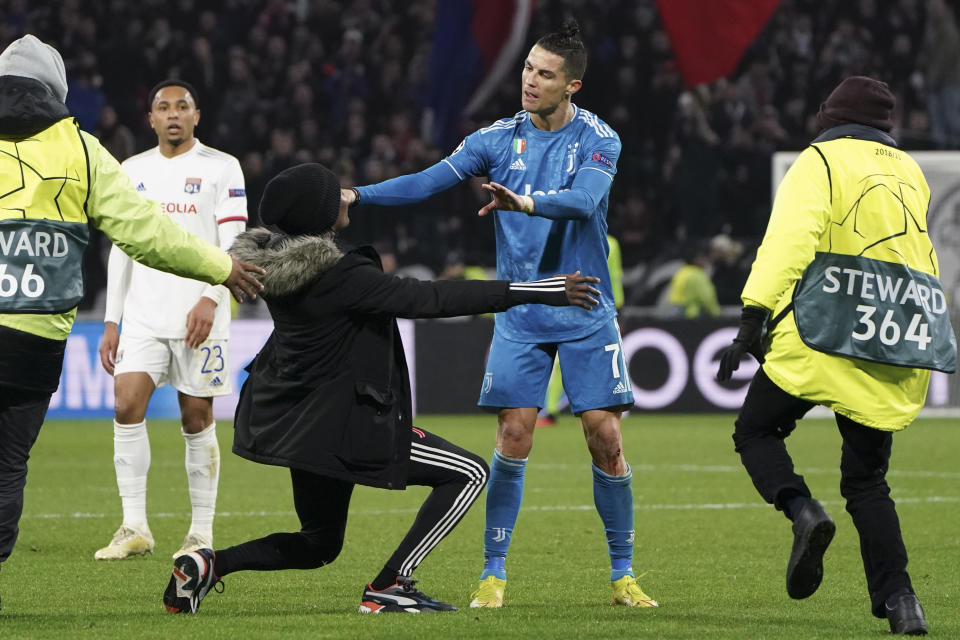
[{"x": 174, "y": 330}]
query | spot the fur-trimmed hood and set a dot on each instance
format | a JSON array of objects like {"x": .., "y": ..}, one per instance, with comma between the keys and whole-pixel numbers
[{"x": 291, "y": 262}]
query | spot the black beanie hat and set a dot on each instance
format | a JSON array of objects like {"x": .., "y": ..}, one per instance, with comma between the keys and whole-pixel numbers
[
  {"x": 858, "y": 100},
  {"x": 304, "y": 199}
]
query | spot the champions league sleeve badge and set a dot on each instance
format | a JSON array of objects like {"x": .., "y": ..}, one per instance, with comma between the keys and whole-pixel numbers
[{"x": 192, "y": 185}]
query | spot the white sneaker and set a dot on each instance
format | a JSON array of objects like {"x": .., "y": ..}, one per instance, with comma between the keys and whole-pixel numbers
[
  {"x": 126, "y": 542},
  {"x": 192, "y": 542}
]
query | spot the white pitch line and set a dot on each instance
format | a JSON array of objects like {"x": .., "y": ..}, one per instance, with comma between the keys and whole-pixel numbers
[
  {"x": 695, "y": 468},
  {"x": 696, "y": 506}
]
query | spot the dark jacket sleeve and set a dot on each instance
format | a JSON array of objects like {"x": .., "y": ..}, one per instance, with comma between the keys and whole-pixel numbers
[{"x": 363, "y": 288}]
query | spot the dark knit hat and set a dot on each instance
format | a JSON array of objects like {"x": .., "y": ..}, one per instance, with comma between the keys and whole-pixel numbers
[
  {"x": 304, "y": 199},
  {"x": 858, "y": 100}
]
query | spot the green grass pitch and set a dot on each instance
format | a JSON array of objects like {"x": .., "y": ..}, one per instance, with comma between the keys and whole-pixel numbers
[{"x": 713, "y": 554}]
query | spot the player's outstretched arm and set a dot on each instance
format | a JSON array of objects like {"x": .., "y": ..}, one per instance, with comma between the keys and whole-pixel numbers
[
  {"x": 577, "y": 203},
  {"x": 408, "y": 189}
]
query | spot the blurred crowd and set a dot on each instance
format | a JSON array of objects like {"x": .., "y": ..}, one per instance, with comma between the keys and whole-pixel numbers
[{"x": 347, "y": 84}]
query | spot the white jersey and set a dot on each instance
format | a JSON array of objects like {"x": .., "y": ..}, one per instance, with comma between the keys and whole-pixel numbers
[{"x": 203, "y": 191}]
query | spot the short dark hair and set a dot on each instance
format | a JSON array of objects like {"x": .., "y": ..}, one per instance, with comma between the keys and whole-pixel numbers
[
  {"x": 173, "y": 83},
  {"x": 567, "y": 44}
]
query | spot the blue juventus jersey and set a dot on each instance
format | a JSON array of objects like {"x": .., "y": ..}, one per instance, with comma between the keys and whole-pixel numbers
[{"x": 568, "y": 172}]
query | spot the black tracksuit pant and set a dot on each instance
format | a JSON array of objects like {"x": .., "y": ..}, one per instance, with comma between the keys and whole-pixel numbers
[
  {"x": 456, "y": 475},
  {"x": 21, "y": 415},
  {"x": 768, "y": 416}
]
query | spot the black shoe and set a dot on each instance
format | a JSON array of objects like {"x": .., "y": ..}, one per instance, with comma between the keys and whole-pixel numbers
[
  {"x": 813, "y": 530},
  {"x": 192, "y": 579},
  {"x": 906, "y": 615},
  {"x": 400, "y": 598}
]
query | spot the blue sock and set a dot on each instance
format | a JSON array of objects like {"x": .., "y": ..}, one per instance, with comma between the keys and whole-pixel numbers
[
  {"x": 613, "y": 496},
  {"x": 504, "y": 493},
  {"x": 494, "y": 566}
]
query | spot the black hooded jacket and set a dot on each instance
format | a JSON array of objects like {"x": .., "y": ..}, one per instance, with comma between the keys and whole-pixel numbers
[{"x": 329, "y": 392}]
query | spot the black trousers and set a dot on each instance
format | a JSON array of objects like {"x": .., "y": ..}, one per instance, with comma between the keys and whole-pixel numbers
[
  {"x": 456, "y": 475},
  {"x": 21, "y": 416},
  {"x": 768, "y": 416}
]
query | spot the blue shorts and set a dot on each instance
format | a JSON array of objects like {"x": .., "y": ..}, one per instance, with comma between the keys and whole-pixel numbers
[{"x": 593, "y": 369}]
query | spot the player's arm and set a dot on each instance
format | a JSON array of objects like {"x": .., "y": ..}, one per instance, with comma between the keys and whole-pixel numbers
[
  {"x": 466, "y": 161},
  {"x": 801, "y": 213},
  {"x": 368, "y": 290},
  {"x": 590, "y": 186},
  {"x": 135, "y": 225},
  {"x": 119, "y": 268},
  {"x": 231, "y": 217},
  {"x": 579, "y": 203}
]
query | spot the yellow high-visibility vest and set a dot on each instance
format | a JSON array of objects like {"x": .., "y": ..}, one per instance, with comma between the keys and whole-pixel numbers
[
  {"x": 852, "y": 197},
  {"x": 44, "y": 184}
]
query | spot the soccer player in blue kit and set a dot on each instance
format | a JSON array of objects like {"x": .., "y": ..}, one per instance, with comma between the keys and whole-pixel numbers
[{"x": 550, "y": 168}]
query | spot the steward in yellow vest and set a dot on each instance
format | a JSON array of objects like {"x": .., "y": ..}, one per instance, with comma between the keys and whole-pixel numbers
[
  {"x": 57, "y": 181},
  {"x": 846, "y": 280}
]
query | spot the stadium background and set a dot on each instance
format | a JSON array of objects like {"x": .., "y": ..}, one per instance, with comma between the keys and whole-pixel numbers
[{"x": 702, "y": 95}]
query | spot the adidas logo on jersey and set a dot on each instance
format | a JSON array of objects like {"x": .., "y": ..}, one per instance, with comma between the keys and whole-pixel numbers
[
  {"x": 518, "y": 165},
  {"x": 620, "y": 388},
  {"x": 216, "y": 382},
  {"x": 141, "y": 187}
]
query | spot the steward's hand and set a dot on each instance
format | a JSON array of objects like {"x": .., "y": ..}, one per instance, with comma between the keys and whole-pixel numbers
[
  {"x": 243, "y": 280},
  {"x": 200, "y": 321},
  {"x": 108, "y": 346},
  {"x": 579, "y": 293},
  {"x": 748, "y": 340}
]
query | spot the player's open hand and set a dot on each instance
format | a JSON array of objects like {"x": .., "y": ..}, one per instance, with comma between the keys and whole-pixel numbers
[
  {"x": 199, "y": 322},
  {"x": 505, "y": 200},
  {"x": 579, "y": 291},
  {"x": 108, "y": 346},
  {"x": 243, "y": 281}
]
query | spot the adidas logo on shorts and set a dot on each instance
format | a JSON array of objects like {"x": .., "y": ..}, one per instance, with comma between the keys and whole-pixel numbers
[
  {"x": 620, "y": 388},
  {"x": 216, "y": 382}
]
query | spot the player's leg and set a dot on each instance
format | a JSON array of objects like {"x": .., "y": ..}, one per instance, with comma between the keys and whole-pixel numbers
[
  {"x": 141, "y": 366},
  {"x": 599, "y": 389},
  {"x": 457, "y": 477},
  {"x": 864, "y": 462},
  {"x": 514, "y": 384},
  {"x": 767, "y": 418},
  {"x": 198, "y": 375},
  {"x": 322, "y": 505},
  {"x": 202, "y": 462}
]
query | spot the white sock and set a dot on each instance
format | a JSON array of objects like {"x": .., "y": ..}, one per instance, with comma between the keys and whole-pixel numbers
[
  {"x": 203, "y": 475},
  {"x": 131, "y": 460}
]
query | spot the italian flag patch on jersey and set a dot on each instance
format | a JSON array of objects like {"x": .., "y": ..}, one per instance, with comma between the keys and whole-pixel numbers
[{"x": 519, "y": 145}]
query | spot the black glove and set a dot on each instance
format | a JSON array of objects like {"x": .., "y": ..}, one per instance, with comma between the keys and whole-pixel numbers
[{"x": 748, "y": 340}]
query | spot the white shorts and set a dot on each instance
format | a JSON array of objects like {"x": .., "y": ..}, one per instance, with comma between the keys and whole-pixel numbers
[{"x": 202, "y": 373}]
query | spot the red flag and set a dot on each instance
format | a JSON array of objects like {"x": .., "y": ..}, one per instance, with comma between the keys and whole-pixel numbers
[{"x": 709, "y": 38}]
